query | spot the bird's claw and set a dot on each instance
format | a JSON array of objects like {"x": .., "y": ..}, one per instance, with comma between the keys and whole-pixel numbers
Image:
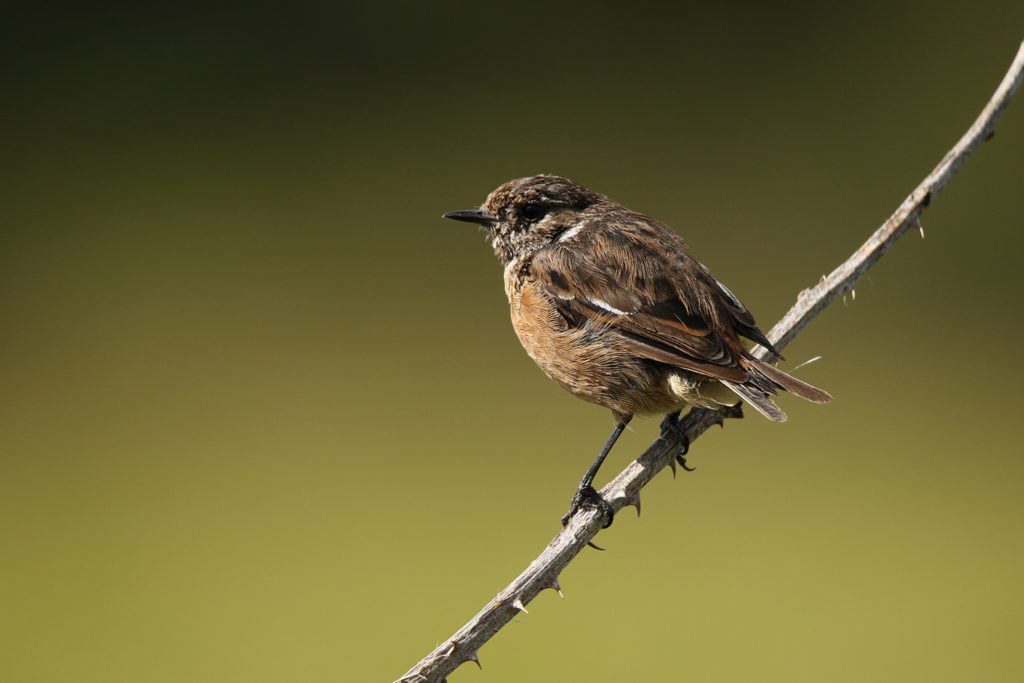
[
  {"x": 588, "y": 496},
  {"x": 671, "y": 424}
]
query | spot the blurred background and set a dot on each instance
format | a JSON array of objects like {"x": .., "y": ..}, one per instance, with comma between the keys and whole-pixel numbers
[{"x": 263, "y": 416}]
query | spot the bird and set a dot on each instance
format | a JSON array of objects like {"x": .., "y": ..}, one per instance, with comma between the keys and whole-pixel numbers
[{"x": 611, "y": 306}]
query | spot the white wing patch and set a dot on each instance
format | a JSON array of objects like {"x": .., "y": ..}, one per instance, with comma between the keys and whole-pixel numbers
[
  {"x": 608, "y": 307},
  {"x": 570, "y": 233}
]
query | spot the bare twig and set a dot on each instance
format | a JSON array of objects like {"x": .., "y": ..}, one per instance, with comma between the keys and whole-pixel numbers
[{"x": 625, "y": 488}]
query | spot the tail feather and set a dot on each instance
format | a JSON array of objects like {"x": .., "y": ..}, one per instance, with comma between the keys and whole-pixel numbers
[
  {"x": 790, "y": 383},
  {"x": 758, "y": 399},
  {"x": 764, "y": 382}
]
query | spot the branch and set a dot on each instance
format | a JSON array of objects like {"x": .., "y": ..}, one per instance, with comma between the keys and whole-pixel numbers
[{"x": 625, "y": 488}]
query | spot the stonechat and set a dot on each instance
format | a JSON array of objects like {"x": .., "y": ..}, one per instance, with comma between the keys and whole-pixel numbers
[{"x": 610, "y": 305}]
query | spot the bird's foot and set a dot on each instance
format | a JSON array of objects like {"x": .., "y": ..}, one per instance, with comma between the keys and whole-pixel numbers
[
  {"x": 671, "y": 425},
  {"x": 587, "y": 496}
]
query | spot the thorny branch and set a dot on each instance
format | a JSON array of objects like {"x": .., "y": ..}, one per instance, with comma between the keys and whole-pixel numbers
[{"x": 625, "y": 488}]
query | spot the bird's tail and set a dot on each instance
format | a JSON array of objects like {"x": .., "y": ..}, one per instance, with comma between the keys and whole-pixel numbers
[{"x": 765, "y": 381}]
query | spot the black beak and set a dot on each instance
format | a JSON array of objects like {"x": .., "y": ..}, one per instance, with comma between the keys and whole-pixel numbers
[{"x": 478, "y": 216}]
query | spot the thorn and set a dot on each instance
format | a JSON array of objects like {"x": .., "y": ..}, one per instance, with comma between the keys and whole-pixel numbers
[
  {"x": 633, "y": 500},
  {"x": 920, "y": 228},
  {"x": 672, "y": 464},
  {"x": 853, "y": 294},
  {"x": 473, "y": 658},
  {"x": 450, "y": 650},
  {"x": 518, "y": 604},
  {"x": 553, "y": 585}
]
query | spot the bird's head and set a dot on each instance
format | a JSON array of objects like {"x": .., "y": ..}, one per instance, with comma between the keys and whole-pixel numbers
[{"x": 527, "y": 214}]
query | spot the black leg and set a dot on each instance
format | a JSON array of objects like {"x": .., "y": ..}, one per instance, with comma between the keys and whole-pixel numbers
[
  {"x": 671, "y": 423},
  {"x": 585, "y": 492}
]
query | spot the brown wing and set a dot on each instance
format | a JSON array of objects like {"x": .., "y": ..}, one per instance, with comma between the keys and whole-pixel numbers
[{"x": 671, "y": 311}]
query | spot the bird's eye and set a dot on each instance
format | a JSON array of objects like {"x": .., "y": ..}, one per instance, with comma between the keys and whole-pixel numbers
[{"x": 532, "y": 212}]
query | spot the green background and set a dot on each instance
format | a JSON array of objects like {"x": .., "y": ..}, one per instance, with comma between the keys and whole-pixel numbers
[{"x": 263, "y": 416}]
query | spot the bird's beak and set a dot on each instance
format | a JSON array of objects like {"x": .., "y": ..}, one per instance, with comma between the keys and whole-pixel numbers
[{"x": 478, "y": 216}]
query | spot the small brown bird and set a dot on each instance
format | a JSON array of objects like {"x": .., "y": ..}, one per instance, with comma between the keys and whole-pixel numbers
[{"x": 609, "y": 305}]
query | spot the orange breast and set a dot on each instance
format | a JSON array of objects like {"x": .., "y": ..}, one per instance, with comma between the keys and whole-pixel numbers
[{"x": 588, "y": 361}]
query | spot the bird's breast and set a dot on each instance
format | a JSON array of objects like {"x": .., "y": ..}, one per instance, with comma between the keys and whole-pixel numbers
[{"x": 591, "y": 361}]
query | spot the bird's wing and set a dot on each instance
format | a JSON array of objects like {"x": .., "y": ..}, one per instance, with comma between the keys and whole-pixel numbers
[{"x": 665, "y": 312}]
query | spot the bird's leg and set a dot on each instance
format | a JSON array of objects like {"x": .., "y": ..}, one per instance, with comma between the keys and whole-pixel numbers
[
  {"x": 671, "y": 424},
  {"x": 585, "y": 492}
]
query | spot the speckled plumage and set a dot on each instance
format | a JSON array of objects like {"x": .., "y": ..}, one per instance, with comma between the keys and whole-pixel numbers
[{"x": 610, "y": 305}]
